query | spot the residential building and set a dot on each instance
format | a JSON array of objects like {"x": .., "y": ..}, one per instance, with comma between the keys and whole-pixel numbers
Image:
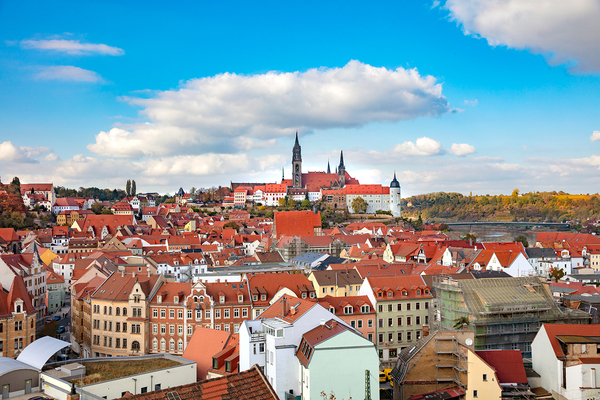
[
  {"x": 81, "y": 315},
  {"x": 46, "y": 189},
  {"x": 231, "y": 304},
  {"x": 336, "y": 283},
  {"x": 17, "y": 318},
  {"x": 567, "y": 358},
  {"x": 56, "y": 292},
  {"x": 284, "y": 341},
  {"x": 204, "y": 344},
  {"x": 30, "y": 267},
  {"x": 120, "y": 320},
  {"x": 506, "y": 313},
  {"x": 266, "y": 288},
  {"x": 402, "y": 304},
  {"x": 168, "y": 315},
  {"x": 356, "y": 311},
  {"x": 64, "y": 204}
]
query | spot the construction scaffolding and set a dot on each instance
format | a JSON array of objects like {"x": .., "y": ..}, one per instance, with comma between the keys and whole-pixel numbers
[{"x": 450, "y": 362}]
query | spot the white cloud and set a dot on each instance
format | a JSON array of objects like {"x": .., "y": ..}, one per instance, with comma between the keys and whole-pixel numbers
[
  {"x": 74, "y": 47},
  {"x": 422, "y": 147},
  {"x": 20, "y": 154},
  {"x": 566, "y": 32},
  {"x": 471, "y": 103},
  {"x": 228, "y": 113},
  {"x": 67, "y": 73},
  {"x": 461, "y": 149},
  {"x": 595, "y": 136}
]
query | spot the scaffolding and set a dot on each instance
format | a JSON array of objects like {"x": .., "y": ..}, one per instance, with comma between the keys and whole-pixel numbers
[{"x": 450, "y": 362}]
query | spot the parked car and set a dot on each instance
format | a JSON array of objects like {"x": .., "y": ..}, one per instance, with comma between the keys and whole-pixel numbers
[
  {"x": 57, "y": 318},
  {"x": 61, "y": 329},
  {"x": 48, "y": 320}
]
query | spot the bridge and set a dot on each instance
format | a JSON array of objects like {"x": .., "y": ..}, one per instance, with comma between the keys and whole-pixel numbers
[{"x": 498, "y": 223}]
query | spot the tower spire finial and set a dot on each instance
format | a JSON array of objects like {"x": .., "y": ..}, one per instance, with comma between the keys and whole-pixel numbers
[
  {"x": 328, "y": 167},
  {"x": 342, "y": 159}
]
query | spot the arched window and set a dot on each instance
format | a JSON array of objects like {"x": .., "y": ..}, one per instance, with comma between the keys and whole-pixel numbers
[
  {"x": 104, "y": 310},
  {"x": 18, "y": 308},
  {"x": 155, "y": 344},
  {"x": 117, "y": 311},
  {"x": 135, "y": 346},
  {"x": 180, "y": 345},
  {"x": 124, "y": 311},
  {"x": 109, "y": 310},
  {"x": 163, "y": 344},
  {"x": 172, "y": 345}
]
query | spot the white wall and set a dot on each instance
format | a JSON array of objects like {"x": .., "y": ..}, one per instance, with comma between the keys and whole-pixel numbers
[{"x": 544, "y": 361}]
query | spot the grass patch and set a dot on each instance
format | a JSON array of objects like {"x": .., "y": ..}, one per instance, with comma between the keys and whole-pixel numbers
[{"x": 106, "y": 370}]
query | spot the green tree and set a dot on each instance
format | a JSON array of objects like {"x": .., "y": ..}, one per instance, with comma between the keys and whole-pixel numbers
[
  {"x": 107, "y": 211},
  {"x": 291, "y": 203},
  {"x": 444, "y": 228},
  {"x": 231, "y": 224},
  {"x": 128, "y": 187},
  {"x": 193, "y": 193},
  {"x": 522, "y": 239},
  {"x": 469, "y": 236},
  {"x": 15, "y": 186},
  {"x": 556, "y": 273},
  {"x": 305, "y": 204},
  {"x": 97, "y": 208},
  {"x": 359, "y": 205},
  {"x": 133, "y": 188},
  {"x": 461, "y": 322}
]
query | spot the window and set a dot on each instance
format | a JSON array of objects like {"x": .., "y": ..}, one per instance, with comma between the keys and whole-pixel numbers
[
  {"x": 244, "y": 313},
  {"x": 364, "y": 309},
  {"x": 399, "y": 306},
  {"x": 417, "y": 306},
  {"x": 409, "y": 321},
  {"x": 207, "y": 314},
  {"x": 163, "y": 313},
  {"x": 426, "y": 319},
  {"x": 381, "y": 323},
  {"x": 407, "y": 306},
  {"x": 154, "y": 313},
  {"x": 236, "y": 313},
  {"x": 217, "y": 314},
  {"x": 155, "y": 329},
  {"x": 390, "y": 337},
  {"x": 399, "y": 336},
  {"x": 390, "y": 322},
  {"x": 124, "y": 313},
  {"x": 418, "y": 320},
  {"x": 370, "y": 337},
  {"x": 389, "y": 307},
  {"x": 353, "y": 324},
  {"x": 380, "y": 308},
  {"x": 221, "y": 299},
  {"x": 261, "y": 347},
  {"x": 189, "y": 330},
  {"x": 474, "y": 393},
  {"x": 399, "y": 321},
  {"x": 359, "y": 323},
  {"x": 409, "y": 336},
  {"x": 104, "y": 310},
  {"x": 381, "y": 338},
  {"x": 117, "y": 311},
  {"x": 172, "y": 329},
  {"x": 180, "y": 329},
  {"x": 418, "y": 335},
  {"x": 226, "y": 313},
  {"x": 348, "y": 310},
  {"x": 583, "y": 349},
  {"x": 198, "y": 314},
  {"x": 124, "y": 326},
  {"x": 189, "y": 314},
  {"x": 485, "y": 377},
  {"x": 124, "y": 343},
  {"x": 171, "y": 314}
]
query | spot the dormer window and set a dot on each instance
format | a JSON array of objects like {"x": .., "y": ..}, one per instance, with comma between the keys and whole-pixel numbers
[
  {"x": 379, "y": 294},
  {"x": 176, "y": 299},
  {"x": 404, "y": 293},
  {"x": 176, "y": 263},
  {"x": 332, "y": 310},
  {"x": 263, "y": 297},
  {"x": 426, "y": 291},
  {"x": 159, "y": 299},
  {"x": 418, "y": 292},
  {"x": 303, "y": 295},
  {"x": 254, "y": 297},
  {"x": 365, "y": 309},
  {"x": 389, "y": 294},
  {"x": 348, "y": 310},
  {"x": 222, "y": 299},
  {"x": 240, "y": 298}
]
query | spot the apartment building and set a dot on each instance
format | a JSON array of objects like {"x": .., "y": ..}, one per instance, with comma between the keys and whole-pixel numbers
[
  {"x": 402, "y": 305},
  {"x": 17, "y": 319},
  {"x": 28, "y": 266},
  {"x": 120, "y": 320}
]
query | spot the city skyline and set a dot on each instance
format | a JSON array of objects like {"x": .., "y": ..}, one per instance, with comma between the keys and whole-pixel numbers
[{"x": 458, "y": 95}]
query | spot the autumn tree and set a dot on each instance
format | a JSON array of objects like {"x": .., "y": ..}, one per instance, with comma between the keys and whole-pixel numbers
[
  {"x": 282, "y": 202},
  {"x": 359, "y": 205},
  {"x": 231, "y": 224},
  {"x": 305, "y": 204},
  {"x": 461, "y": 322},
  {"x": 97, "y": 208},
  {"x": 556, "y": 273}
]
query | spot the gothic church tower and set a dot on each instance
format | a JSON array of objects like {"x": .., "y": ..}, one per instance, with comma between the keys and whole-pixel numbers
[
  {"x": 297, "y": 164},
  {"x": 342, "y": 170}
]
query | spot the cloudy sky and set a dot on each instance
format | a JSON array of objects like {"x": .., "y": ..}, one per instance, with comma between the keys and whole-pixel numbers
[{"x": 479, "y": 96}]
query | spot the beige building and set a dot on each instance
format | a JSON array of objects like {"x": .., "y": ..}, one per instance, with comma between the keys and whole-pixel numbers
[
  {"x": 30, "y": 267},
  {"x": 120, "y": 320},
  {"x": 336, "y": 283},
  {"x": 17, "y": 322}
]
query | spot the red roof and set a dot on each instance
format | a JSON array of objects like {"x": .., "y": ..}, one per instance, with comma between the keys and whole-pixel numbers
[
  {"x": 553, "y": 330},
  {"x": 288, "y": 308},
  {"x": 507, "y": 363},
  {"x": 397, "y": 285},
  {"x": 205, "y": 342},
  {"x": 318, "y": 335},
  {"x": 37, "y": 187},
  {"x": 296, "y": 223},
  {"x": 246, "y": 385},
  {"x": 18, "y": 290}
]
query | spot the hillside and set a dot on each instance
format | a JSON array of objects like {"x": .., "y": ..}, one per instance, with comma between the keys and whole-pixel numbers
[{"x": 538, "y": 206}]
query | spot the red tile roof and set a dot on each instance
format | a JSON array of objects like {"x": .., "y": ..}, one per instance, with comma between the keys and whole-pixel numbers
[
  {"x": 554, "y": 330},
  {"x": 507, "y": 363},
  {"x": 270, "y": 284},
  {"x": 296, "y": 223},
  {"x": 288, "y": 308},
  {"x": 318, "y": 335},
  {"x": 247, "y": 385},
  {"x": 205, "y": 342},
  {"x": 396, "y": 285}
]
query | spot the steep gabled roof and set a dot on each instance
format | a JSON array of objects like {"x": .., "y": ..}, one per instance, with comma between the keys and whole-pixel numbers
[{"x": 507, "y": 363}]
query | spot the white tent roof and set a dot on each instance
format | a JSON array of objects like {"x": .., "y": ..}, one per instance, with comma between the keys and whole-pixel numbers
[
  {"x": 8, "y": 365},
  {"x": 38, "y": 352}
]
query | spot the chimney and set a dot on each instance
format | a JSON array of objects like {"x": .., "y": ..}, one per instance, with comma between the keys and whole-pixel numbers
[
  {"x": 122, "y": 273},
  {"x": 73, "y": 395}
]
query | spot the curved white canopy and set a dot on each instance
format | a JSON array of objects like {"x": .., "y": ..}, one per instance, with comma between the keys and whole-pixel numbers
[{"x": 38, "y": 352}]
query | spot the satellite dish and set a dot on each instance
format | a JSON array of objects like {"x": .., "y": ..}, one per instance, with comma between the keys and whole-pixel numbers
[{"x": 469, "y": 341}]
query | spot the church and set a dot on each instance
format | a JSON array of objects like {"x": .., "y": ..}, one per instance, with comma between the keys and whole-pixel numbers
[{"x": 337, "y": 190}]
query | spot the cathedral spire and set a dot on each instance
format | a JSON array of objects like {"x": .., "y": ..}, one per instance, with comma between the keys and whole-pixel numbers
[
  {"x": 328, "y": 168},
  {"x": 282, "y": 175},
  {"x": 342, "y": 159},
  {"x": 296, "y": 144}
]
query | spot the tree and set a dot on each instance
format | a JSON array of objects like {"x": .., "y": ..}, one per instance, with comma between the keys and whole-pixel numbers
[
  {"x": 282, "y": 202},
  {"x": 107, "y": 211},
  {"x": 444, "y": 228},
  {"x": 128, "y": 187},
  {"x": 461, "y": 322},
  {"x": 556, "y": 273},
  {"x": 305, "y": 204},
  {"x": 231, "y": 224},
  {"x": 291, "y": 203},
  {"x": 359, "y": 205},
  {"x": 97, "y": 208},
  {"x": 15, "y": 186},
  {"x": 133, "y": 188},
  {"x": 193, "y": 193},
  {"x": 515, "y": 193},
  {"x": 522, "y": 239},
  {"x": 469, "y": 237}
]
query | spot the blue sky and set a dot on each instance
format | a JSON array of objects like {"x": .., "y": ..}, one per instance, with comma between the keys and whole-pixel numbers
[{"x": 458, "y": 95}]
